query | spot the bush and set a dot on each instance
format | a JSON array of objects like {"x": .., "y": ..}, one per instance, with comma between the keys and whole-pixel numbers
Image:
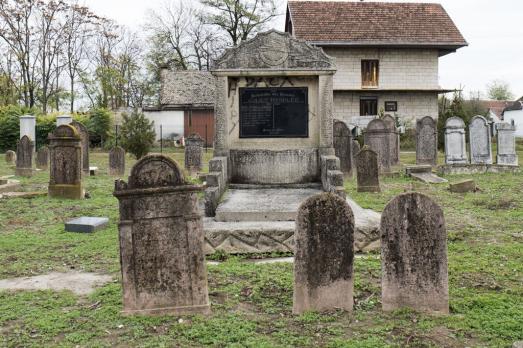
[
  {"x": 10, "y": 125},
  {"x": 45, "y": 124},
  {"x": 408, "y": 140},
  {"x": 137, "y": 134},
  {"x": 99, "y": 125}
]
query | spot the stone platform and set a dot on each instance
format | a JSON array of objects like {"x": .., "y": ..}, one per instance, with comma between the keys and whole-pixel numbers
[{"x": 261, "y": 220}]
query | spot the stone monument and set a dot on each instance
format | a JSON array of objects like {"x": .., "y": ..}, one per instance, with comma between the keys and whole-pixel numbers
[
  {"x": 65, "y": 175},
  {"x": 84, "y": 136},
  {"x": 161, "y": 241},
  {"x": 367, "y": 170},
  {"x": 193, "y": 152},
  {"x": 355, "y": 149},
  {"x": 506, "y": 141},
  {"x": 10, "y": 157},
  {"x": 480, "y": 141},
  {"x": 455, "y": 146},
  {"x": 63, "y": 119},
  {"x": 377, "y": 137},
  {"x": 343, "y": 146},
  {"x": 117, "y": 161},
  {"x": 394, "y": 139},
  {"x": 414, "y": 255},
  {"x": 324, "y": 255},
  {"x": 42, "y": 158},
  {"x": 28, "y": 127},
  {"x": 426, "y": 141},
  {"x": 24, "y": 157}
]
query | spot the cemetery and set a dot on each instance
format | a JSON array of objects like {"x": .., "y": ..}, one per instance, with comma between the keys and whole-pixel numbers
[{"x": 295, "y": 229}]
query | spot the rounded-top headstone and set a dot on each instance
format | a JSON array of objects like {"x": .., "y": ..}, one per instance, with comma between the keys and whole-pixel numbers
[
  {"x": 454, "y": 122},
  {"x": 323, "y": 265},
  {"x": 376, "y": 124},
  {"x": 10, "y": 157},
  {"x": 117, "y": 161},
  {"x": 155, "y": 171},
  {"x": 480, "y": 141},
  {"x": 390, "y": 122},
  {"x": 367, "y": 170},
  {"x": 65, "y": 131}
]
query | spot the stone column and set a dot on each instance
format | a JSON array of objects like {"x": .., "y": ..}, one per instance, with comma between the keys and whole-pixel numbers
[
  {"x": 221, "y": 146},
  {"x": 63, "y": 119},
  {"x": 28, "y": 127},
  {"x": 325, "y": 102}
]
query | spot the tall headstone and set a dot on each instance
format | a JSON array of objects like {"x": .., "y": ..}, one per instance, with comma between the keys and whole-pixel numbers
[
  {"x": 394, "y": 139},
  {"x": 65, "y": 174},
  {"x": 506, "y": 142},
  {"x": 193, "y": 152},
  {"x": 480, "y": 141},
  {"x": 426, "y": 141},
  {"x": 455, "y": 145},
  {"x": 24, "y": 157},
  {"x": 10, "y": 157},
  {"x": 42, "y": 158},
  {"x": 367, "y": 170},
  {"x": 377, "y": 137},
  {"x": 84, "y": 136},
  {"x": 117, "y": 161},
  {"x": 161, "y": 240},
  {"x": 414, "y": 255},
  {"x": 63, "y": 119},
  {"x": 323, "y": 264},
  {"x": 355, "y": 148},
  {"x": 343, "y": 146},
  {"x": 28, "y": 127}
]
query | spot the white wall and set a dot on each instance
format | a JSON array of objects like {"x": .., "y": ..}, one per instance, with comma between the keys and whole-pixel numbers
[
  {"x": 517, "y": 116},
  {"x": 171, "y": 121}
]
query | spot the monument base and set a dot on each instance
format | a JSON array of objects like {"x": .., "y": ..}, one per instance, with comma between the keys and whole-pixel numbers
[
  {"x": 66, "y": 191},
  {"x": 25, "y": 172},
  {"x": 476, "y": 169},
  {"x": 182, "y": 310}
]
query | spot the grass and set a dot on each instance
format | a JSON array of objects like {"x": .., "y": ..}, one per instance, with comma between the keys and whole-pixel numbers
[{"x": 252, "y": 303}]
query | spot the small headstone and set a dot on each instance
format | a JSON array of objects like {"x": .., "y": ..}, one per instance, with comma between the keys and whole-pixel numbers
[
  {"x": 367, "y": 170},
  {"x": 480, "y": 141},
  {"x": 455, "y": 145},
  {"x": 414, "y": 255},
  {"x": 193, "y": 152},
  {"x": 84, "y": 136},
  {"x": 394, "y": 139},
  {"x": 86, "y": 224},
  {"x": 426, "y": 141},
  {"x": 506, "y": 142},
  {"x": 65, "y": 174},
  {"x": 24, "y": 157},
  {"x": 324, "y": 255},
  {"x": 377, "y": 137},
  {"x": 343, "y": 146},
  {"x": 463, "y": 186},
  {"x": 10, "y": 157},
  {"x": 161, "y": 240},
  {"x": 93, "y": 171},
  {"x": 117, "y": 161},
  {"x": 42, "y": 158}
]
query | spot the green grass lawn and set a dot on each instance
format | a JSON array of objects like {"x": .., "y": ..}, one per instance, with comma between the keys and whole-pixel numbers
[{"x": 251, "y": 304}]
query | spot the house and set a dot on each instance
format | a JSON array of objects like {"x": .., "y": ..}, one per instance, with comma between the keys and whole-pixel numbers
[
  {"x": 514, "y": 113},
  {"x": 186, "y": 105},
  {"x": 495, "y": 108},
  {"x": 387, "y": 54}
]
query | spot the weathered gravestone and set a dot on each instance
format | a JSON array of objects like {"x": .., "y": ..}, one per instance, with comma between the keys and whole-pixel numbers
[
  {"x": 28, "y": 127},
  {"x": 393, "y": 139},
  {"x": 65, "y": 174},
  {"x": 506, "y": 152},
  {"x": 343, "y": 146},
  {"x": 10, "y": 157},
  {"x": 480, "y": 141},
  {"x": 161, "y": 241},
  {"x": 414, "y": 255},
  {"x": 117, "y": 161},
  {"x": 355, "y": 149},
  {"x": 24, "y": 157},
  {"x": 84, "y": 136},
  {"x": 367, "y": 170},
  {"x": 376, "y": 136},
  {"x": 324, "y": 255},
  {"x": 193, "y": 152},
  {"x": 455, "y": 146},
  {"x": 42, "y": 158},
  {"x": 426, "y": 141}
]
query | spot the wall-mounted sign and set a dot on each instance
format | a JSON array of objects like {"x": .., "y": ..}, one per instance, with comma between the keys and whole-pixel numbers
[{"x": 391, "y": 106}]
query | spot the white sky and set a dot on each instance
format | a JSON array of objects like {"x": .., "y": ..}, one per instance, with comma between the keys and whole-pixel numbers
[{"x": 493, "y": 29}]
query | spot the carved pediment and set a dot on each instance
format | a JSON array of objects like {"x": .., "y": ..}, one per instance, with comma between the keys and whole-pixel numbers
[{"x": 274, "y": 50}]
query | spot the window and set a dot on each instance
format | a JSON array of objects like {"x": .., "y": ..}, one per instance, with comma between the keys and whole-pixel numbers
[
  {"x": 368, "y": 106},
  {"x": 369, "y": 73}
]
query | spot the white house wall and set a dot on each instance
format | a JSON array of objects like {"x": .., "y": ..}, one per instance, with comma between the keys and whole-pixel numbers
[
  {"x": 171, "y": 122},
  {"x": 517, "y": 116}
]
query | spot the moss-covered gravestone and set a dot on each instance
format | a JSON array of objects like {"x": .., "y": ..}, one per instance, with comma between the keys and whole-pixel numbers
[
  {"x": 24, "y": 157},
  {"x": 65, "y": 175},
  {"x": 42, "y": 158},
  {"x": 426, "y": 141},
  {"x": 10, "y": 157},
  {"x": 367, "y": 170},
  {"x": 193, "y": 153},
  {"x": 324, "y": 255},
  {"x": 414, "y": 255},
  {"x": 117, "y": 161},
  {"x": 161, "y": 241}
]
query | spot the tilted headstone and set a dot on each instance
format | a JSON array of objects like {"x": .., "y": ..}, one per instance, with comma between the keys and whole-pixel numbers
[
  {"x": 377, "y": 137},
  {"x": 343, "y": 146},
  {"x": 24, "y": 157},
  {"x": 426, "y": 141},
  {"x": 28, "y": 127},
  {"x": 367, "y": 170},
  {"x": 394, "y": 139},
  {"x": 84, "y": 136},
  {"x": 65, "y": 161},
  {"x": 42, "y": 158},
  {"x": 506, "y": 142},
  {"x": 63, "y": 119},
  {"x": 193, "y": 152},
  {"x": 117, "y": 161},
  {"x": 480, "y": 141},
  {"x": 414, "y": 255},
  {"x": 10, "y": 157},
  {"x": 161, "y": 240},
  {"x": 455, "y": 145},
  {"x": 324, "y": 255}
]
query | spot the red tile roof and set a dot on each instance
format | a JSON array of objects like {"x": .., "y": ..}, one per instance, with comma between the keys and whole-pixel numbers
[
  {"x": 373, "y": 23},
  {"x": 496, "y": 106}
]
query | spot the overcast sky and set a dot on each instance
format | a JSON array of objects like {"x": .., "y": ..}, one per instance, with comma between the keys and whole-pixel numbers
[{"x": 493, "y": 29}]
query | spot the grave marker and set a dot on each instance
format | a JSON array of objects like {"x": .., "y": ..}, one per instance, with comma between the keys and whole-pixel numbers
[
  {"x": 193, "y": 152},
  {"x": 10, "y": 157},
  {"x": 84, "y": 136},
  {"x": 426, "y": 141},
  {"x": 24, "y": 157},
  {"x": 367, "y": 170},
  {"x": 455, "y": 146},
  {"x": 28, "y": 127},
  {"x": 117, "y": 161},
  {"x": 394, "y": 139},
  {"x": 42, "y": 158},
  {"x": 480, "y": 141},
  {"x": 377, "y": 137},
  {"x": 506, "y": 141},
  {"x": 343, "y": 146}
]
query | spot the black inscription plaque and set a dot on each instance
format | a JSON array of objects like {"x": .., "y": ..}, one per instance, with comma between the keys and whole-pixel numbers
[{"x": 274, "y": 112}]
